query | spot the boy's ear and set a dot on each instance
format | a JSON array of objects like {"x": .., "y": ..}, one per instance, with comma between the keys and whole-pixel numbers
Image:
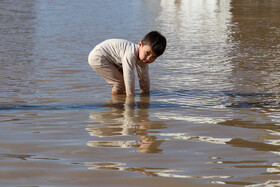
[{"x": 140, "y": 43}]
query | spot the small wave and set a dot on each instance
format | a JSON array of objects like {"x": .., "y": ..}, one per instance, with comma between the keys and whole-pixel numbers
[
  {"x": 47, "y": 107},
  {"x": 87, "y": 106},
  {"x": 182, "y": 92},
  {"x": 251, "y": 104}
]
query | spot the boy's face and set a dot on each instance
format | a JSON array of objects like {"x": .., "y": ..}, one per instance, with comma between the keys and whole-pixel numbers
[{"x": 146, "y": 53}]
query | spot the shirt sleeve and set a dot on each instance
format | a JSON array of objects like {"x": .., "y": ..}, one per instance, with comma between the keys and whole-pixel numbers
[
  {"x": 144, "y": 78},
  {"x": 128, "y": 63}
]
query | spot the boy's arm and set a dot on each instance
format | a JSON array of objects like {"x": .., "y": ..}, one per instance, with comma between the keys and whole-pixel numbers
[
  {"x": 129, "y": 76},
  {"x": 144, "y": 79}
]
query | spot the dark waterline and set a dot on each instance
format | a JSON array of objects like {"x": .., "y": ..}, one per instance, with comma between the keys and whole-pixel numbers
[{"x": 153, "y": 105}]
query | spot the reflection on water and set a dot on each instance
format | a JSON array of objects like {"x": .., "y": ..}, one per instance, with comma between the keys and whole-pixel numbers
[
  {"x": 159, "y": 172},
  {"x": 212, "y": 116},
  {"x": 125, "y": 120}
]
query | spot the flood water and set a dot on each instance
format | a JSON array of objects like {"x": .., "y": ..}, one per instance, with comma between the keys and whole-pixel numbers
[{"x": 212, "y": 118}]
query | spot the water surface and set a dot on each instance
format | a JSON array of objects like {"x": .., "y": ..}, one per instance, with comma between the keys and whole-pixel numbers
[{"x": 212, "y": 117}]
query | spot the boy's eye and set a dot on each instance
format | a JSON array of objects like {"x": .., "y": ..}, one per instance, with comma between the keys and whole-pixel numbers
[{"x": 149, "y": 54}]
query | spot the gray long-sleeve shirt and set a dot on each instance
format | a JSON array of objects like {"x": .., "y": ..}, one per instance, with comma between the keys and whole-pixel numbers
[{"x": 124, "y": 54}]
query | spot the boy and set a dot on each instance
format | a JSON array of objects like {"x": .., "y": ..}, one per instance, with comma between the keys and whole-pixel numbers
[{"x": 115, "y": 60}]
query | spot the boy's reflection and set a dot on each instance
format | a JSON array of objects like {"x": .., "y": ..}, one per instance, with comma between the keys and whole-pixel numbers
[{"x": 121, "y": 121}]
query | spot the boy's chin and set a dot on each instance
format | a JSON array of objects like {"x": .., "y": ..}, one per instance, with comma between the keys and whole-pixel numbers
[{"x": 145, "y": 61}]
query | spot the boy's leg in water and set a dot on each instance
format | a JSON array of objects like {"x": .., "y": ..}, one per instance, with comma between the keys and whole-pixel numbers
[{"x": 111, "y": 75}]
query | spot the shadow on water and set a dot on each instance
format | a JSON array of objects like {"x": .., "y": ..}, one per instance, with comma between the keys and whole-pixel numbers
[
  {"x": 269, "y": 141},
  {"x": 257, "y": 146}
]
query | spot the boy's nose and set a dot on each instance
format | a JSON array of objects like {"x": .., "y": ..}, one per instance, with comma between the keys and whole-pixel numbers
[{"x": 149, "y": 58}]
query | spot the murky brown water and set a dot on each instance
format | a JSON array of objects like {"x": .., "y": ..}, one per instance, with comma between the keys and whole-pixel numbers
[{"x": 213, "y": 116}]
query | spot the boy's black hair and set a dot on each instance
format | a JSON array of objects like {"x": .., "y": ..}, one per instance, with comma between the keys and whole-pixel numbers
[{"x": 156, "y": 40}]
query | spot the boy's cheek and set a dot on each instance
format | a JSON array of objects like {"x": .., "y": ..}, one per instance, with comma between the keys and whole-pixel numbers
[
  {"x": 141, "y": 57},
  {"x": 152, "y": 60}
]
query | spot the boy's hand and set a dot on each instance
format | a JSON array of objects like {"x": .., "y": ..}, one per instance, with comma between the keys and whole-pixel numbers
[{"x": 142, "y": 92}]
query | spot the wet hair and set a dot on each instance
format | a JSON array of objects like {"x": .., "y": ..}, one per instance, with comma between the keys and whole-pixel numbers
[{"x": 156, "y": 40}]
